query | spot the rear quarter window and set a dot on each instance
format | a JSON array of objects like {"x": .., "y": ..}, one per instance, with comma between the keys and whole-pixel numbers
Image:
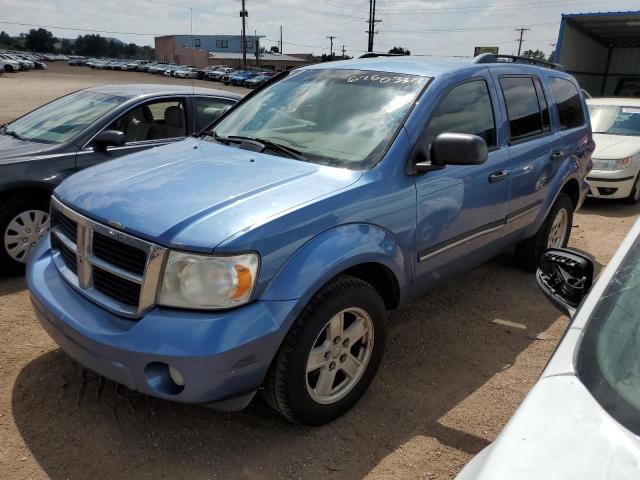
[
  {"x": 523, "y": 107},
  {"x": 570, "y": 111}
]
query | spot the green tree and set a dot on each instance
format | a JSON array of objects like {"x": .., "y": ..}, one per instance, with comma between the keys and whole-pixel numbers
[
  {"x": 66, "y": 47},
  {"x": 91, "y": 45},
  {"x": 115, "y": 49},
  {"x": 538, "y": 54},
  {"x": 6, "y": 41},
  {"x": 400, "y": 51},
  {"x": 40, "y": 40}
]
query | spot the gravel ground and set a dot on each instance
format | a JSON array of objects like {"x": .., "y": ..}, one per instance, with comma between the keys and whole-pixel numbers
[{"x": 460, "y": 360}]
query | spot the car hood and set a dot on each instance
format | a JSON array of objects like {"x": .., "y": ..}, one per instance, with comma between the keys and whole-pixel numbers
[
  {"x": 12, "y": 149},
  {"x": 611, "y": 147},
  {"x": 559, "y": 432},
  {"x": 195, "y": 194}
]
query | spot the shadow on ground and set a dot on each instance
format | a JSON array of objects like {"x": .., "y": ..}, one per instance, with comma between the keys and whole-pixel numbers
[{"x": 442, "y": 348}]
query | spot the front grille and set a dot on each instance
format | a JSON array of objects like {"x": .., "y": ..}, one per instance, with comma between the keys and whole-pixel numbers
[
  {"x": 120, "y": 289},
  {"x": 114, "y": 269},
  {"x": 68, "y": 257},
  {"x": 65, "y": 224},
  {"x": 119, "y": 254}
]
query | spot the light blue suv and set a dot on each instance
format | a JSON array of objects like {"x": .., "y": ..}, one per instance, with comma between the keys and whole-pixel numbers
[{"x": 265, "y": 253}]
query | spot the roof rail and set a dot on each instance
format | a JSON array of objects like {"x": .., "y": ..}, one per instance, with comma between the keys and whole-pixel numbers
[
  {"x": 381, "y": 54},
  {"x": 493, "y": 58}
]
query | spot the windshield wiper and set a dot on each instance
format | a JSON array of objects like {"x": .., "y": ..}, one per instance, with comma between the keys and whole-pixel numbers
[
  {"x": 266, "y": 144},
  {"x": 13, "y": 134}
]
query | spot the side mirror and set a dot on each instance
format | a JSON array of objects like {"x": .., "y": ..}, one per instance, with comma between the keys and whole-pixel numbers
[
  {"x": 455, "y": 149},
  {"x": 108, "y": 138},
  {"x": 565, "y": 277}
]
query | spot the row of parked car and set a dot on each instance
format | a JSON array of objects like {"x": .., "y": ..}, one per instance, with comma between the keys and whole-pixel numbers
[
  {"x": 216, "y": 73},
  {"x": 11, "y": 61},
  {"x": 265, "y": 252}
]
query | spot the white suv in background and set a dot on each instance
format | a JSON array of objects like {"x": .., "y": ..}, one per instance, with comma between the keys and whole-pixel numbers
[{"x": 616, "y": 161}]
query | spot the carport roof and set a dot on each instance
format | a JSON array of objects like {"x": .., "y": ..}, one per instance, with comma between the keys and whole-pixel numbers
[{"x": 615, "y": 29}]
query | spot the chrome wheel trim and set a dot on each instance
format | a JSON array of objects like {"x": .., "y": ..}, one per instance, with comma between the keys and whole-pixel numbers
[
  {"x": 23, "y": 232},
  {"x": 339, "y": 356},
  {"x": 636, "y": 189},
  {"x": 559, "y": 229}
]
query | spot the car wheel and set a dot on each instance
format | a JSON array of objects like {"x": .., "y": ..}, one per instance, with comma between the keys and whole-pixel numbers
[
  {"x": 634, "y": 196},
  {"x": 553, "y": 233},
  {"x": 8, "y": 68},
  {"x": 330, "y": 355},
  {"x": 23, "y": 221}
]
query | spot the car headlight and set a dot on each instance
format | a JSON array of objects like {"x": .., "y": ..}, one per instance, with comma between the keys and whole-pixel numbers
[
  {"x": 618, "y": 164},
  {"x": 207, "y": 281}
]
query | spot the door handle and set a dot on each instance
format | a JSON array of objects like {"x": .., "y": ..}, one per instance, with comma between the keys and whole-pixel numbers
[
  {"x": 558, "y": 155},
  {"x": 498, "y": 176}
]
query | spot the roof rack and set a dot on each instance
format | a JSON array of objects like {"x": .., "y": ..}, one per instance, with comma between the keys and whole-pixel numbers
[
  {"x": 381, "y": 54},
  {"x": 493, "y": 58}
]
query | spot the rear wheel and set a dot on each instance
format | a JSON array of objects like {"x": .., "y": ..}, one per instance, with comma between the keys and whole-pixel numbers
[
  {"x": 23, "y": 221},
  {"x": 553, "y": 233},
  {"x": 330, "y": 355},
  {"x": 634, "y": 196}
]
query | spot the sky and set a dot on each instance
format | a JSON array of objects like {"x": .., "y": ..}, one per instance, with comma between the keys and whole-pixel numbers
[{"x": 425, "y": 27}]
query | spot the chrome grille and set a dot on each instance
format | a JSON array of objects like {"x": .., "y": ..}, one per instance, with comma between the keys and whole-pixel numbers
[{"x": 113, "y": 269}]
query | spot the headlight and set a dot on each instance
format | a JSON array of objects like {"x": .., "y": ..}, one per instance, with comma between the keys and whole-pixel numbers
[
  {"x": 208, "y": 282},
  {"x": 611, "y": 164}
]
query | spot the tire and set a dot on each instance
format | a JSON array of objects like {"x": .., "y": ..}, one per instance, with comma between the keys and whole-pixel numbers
[
  {"x": 12, "y": 258},
  {"x": 529, "y": 251},
  {"x": 293, "y": 388},
  {"x": 8, "y": 69},
  {"x": 634, "y": 196}
]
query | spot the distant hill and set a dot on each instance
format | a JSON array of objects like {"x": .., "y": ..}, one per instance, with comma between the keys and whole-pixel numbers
[{"x": 72, "y": 41}]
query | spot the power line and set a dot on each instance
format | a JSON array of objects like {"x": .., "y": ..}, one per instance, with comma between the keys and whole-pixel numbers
[
  {"x": 92, "y": 30},
  {"x": 521, "y": 30}
]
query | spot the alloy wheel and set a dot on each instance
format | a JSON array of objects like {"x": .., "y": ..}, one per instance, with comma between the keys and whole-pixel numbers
[
  {"x": 340, "y": 355},
  {"x": 558, "y": 231},
  {"x": 23, "y": 232}
]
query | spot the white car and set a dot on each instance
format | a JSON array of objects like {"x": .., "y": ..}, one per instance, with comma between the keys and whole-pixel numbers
[
  {"x": 616, "y": 161},
  {"x": 9, "y": 65},
  {"x": 582, "y": 419}
]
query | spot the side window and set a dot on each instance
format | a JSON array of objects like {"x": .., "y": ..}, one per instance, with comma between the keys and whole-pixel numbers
[
  {"x": 153, "y": 121},
  {"x": 465, "y": 109},
  {"x": 208, "y": 109},
  {"x": 523, "y": 109},
  {"x": 544, "y": 107},
  {"x": 569, "y": 105}
]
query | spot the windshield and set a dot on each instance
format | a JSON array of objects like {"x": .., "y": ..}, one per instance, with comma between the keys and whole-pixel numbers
[
  {"x": 609, "y": 357},
  {"x": 62, "y": 119},
  {"x": 344, "y": 118},
  {"x": 615, "y": 120}
]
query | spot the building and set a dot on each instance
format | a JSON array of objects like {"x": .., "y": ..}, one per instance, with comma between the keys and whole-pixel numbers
[
  {"x": 171, "y": 48},
  {"x": 602, "y": 50},
  {"x": 203, "y": 50}
]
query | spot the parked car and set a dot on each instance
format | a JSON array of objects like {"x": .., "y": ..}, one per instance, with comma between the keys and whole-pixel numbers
[
  {"x": 186, "y": 72},
  {"x": 217, "y": 75},
  {"x": 239, "y": 78},
  {"x": 203, "y": 73},
  {"x": 77, "y": 62},
  {"x": 582, "y": 418},
  {"x": 616, "y": 161},
  {"x": 40, "y": 149},
  {"x": 256, "y": 81},
  {"x": 8, "y": 65},
  {"x": 226, "y": 78},
  {"x": 266, "y": 252}
]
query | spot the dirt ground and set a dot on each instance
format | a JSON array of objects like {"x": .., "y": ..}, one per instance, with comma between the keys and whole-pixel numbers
[{"x": 460, "y": 360}]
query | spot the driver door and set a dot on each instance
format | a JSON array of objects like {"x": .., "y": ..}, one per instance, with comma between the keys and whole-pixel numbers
[{"x": 150, "y": 124}]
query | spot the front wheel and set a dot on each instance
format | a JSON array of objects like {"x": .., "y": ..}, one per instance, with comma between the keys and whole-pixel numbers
[
  {"x": 330, "y": 355},
  {"x": 23, "y": 221},
  {"x": 634, "y": 196},
  {"x": 553, "y": 233}
]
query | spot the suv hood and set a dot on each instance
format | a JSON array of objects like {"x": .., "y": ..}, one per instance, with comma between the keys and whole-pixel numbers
[
  {"x": 195, "y": 194},
  {"x": 613, "y": 147},
  {"x": 13, "y": 149}
]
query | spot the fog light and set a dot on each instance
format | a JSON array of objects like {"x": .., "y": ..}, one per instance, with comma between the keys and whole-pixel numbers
[{"x": 176, "y": 376}]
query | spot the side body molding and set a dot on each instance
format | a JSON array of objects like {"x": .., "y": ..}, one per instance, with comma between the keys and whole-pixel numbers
[{"x": 334, "y": 251}]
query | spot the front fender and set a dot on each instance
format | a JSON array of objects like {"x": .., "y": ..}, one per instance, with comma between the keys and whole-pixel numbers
[{"x": 332, "y": 252}]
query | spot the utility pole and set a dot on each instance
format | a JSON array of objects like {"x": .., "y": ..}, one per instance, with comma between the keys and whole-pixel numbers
[
  {"x": 331, "y": 37},
  {"x": 343, "y": 50},
  {"x": 372, "y": 24},
  {"x": 257, "y": 40},
  {"x": 244, "y": 14},
  {"x": 521, "y": 30},
  {"x": 280, "y": 49}
]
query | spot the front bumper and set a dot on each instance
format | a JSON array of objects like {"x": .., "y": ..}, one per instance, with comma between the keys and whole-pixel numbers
[
  {"x": 221, "y": 355},
  {"x": 615, "y": 185}
]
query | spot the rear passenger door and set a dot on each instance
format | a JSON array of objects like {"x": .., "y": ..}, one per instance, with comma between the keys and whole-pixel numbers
[
  {"x": 208, "y": 109},
  {"x": 146, "y": 125},
  {"x": 573, "y": 121},
  {"x": 532, "y": 146}
]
